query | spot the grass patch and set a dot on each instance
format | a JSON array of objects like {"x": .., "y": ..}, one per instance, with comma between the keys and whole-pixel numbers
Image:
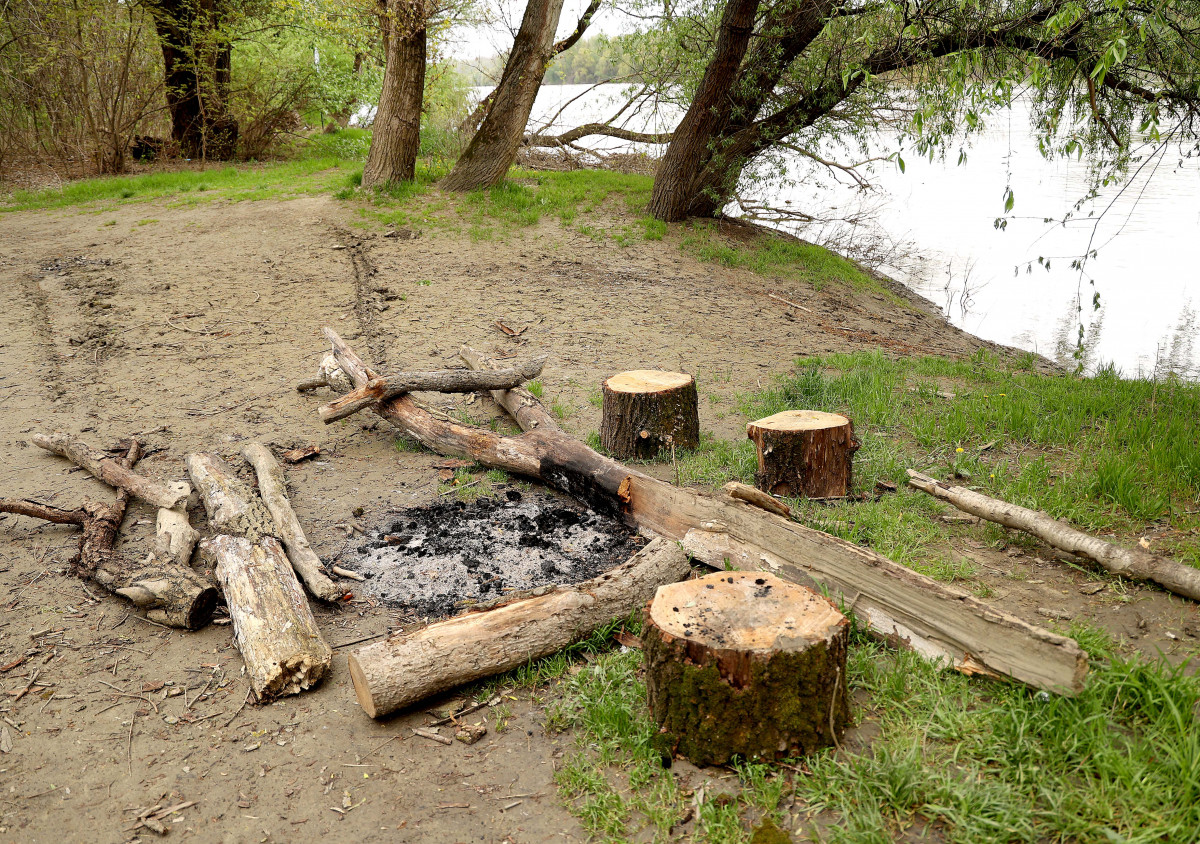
[
  {"x": 975, "y": 760},
  {"x": 1109, "y": 454}
]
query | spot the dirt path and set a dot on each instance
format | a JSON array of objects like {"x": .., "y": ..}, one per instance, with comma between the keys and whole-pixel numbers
[{"x": 190, "y": 326}]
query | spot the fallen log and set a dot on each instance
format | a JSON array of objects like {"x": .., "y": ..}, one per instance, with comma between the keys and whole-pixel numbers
[
  {"x": 403, "y": 669},
  {"x": 273, "y": 489},
  {"x": 106, "y": 469},
  {"x": 273, "y": 627},
  {"x": 745, "y": 664},
  {"x": 442, "y": 381},
  {"x": 1133, "y": 563},
  {"x": 897, "y": 604},
  {"x": 170, "y": 593}
]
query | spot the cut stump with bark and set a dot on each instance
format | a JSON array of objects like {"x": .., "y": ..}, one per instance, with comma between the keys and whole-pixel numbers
[
  {"x": 804, "y": 454},
  {"x": 745, "y": 664},
  {"x": 645, "y": 410}
]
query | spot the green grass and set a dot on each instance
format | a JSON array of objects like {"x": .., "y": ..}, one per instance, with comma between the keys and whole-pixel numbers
[
  {"x": 949, "y": 757},
  {"x": 1109, "y": 454}
]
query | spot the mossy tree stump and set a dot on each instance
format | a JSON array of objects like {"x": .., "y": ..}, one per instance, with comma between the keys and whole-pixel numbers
[
  {"x": 804, "y": 453},
  {"x": 745, "y": 664},
  {"x": 646, "y": 410}
]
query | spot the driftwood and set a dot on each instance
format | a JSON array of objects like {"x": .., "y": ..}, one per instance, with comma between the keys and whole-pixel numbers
[
  {"x": 273, "y": 626},
  {"x": 403, "y": 669},
  {"x": 106, "y": 469},
  {"x": 896, "y": 603},
  {"x": 745, "y": 664},
  {"x": 273, "y": 489},
  {"x": 1134, "y": 563},
  {"x": 442, "y": 381},
  {"x": 169, "y": 591}
]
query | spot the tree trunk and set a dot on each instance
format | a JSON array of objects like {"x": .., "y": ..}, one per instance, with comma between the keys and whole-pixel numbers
[
  {"x": 645, "y": 411},
  {"x": 804, "y": 454},
  {"x": 745, "y": 665},
  {"x": 691, "y": 145},
  {"x": 903, "y": 607},
  {"x": 197, "y": 60},
  {"x": 493, "y": 148},
  {"x": 404, "y": 669},
  {"x": 396, "y": 132}
]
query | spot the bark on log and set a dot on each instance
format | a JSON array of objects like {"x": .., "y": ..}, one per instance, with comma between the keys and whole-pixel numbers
[
  {"x": 443, "y": 381},
  {"x": 399, "y": 671},
  {"x": 745, "y": 664},
  {"x": 106, "y": 469},
  {"x": 899, "y": 605},
  {"x": 273, "y": 489},
  {"x": 1133, "y": 563},
  {"x": 804, "y": 454},
  {"x": 645, "y": 411},
  {"x": 273, "y": 627}
]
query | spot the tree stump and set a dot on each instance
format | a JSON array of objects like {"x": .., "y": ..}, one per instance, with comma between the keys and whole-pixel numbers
[
  {"x": 745, "y": 664},
  {"x": 804, "y": 453},
  {"x": 645, "y": 410}
]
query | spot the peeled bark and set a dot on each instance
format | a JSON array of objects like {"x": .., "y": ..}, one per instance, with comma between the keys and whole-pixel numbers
[
  {"x": 804, "y": 454},
  {"x": 645, "y": 411},
  {"x": 745, "y": 665},
  {"x": 903, "y": 607},
  {"x": 1134, "y": 563},
  {"x": 396, "y": 132},
  {"x": 273, "y": 489},
  {"x": 493, "y": 148},
  {"x": 401, "y": 670}
]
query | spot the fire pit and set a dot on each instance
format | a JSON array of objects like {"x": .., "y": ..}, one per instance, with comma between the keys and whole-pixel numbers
[{"x": 441, "y": 559}]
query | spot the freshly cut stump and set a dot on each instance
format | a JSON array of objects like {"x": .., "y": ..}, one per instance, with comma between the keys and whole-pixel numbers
[
  {"x": 804, "y": 454},
  {"x": 745, "y": 664},
  {"x": 645, "y": 410}
]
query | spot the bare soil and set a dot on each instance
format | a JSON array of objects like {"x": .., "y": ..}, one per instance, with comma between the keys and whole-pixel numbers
[{"x": 191, "y": 331}]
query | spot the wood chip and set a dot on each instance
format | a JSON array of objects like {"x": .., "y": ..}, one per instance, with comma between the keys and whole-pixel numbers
[
  {"x": 1053, "y": 613},
  {"x": 295, "y": 455},
  {"x": 629, "y": 640},
  {"x": 12, "y": 664},
  {"x": 5, "y": 740},
  {"x": 1093, "y": 588},
  {"x": 470, "y": 733}
]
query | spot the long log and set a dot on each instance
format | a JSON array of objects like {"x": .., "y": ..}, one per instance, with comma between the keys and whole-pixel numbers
[
  {"x": 273, "y": 627},
  {"x": 169, "y": 592},
  {"x": 106, "y": 469},
  {"x": 273, "y": 489},
  {"x": 1133, "y": 563},
  {"x": 442, "y": 381},
  {"x": 906, "y": 608},
  {"x": 399, "y": 671}
]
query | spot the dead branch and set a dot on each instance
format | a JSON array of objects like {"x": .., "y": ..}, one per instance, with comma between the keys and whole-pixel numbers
[
  {"x": 1135, "y": 563},
  {"x": 106, "y": 469},
  {"x": 442, "y": 381}
]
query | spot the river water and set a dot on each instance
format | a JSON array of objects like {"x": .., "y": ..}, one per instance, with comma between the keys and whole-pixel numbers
[{"x": 941, "y": 219}]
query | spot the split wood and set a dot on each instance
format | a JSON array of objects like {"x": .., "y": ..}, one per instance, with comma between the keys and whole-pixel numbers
[
  {"x": 273, "y": 626},
  {"x": 898, "y": 605},
  {"x": 442, "y": 381},
  {"x": 1133, "y": 563},
  {"x": 273, "y": 489}
]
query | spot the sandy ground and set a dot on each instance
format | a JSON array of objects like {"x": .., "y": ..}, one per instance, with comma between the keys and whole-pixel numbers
[{"x": 192, "y": 331}]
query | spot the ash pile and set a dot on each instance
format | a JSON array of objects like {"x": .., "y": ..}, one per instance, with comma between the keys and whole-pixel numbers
[{"x": 441, "y": 559}]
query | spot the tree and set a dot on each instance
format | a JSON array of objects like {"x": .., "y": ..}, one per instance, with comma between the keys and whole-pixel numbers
[
  {"x": 782, "y": 72},
  {"x": 493, "y": 147},
  {"x": 197, "y": 48},
  {"x": 396, "y": 136}
]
